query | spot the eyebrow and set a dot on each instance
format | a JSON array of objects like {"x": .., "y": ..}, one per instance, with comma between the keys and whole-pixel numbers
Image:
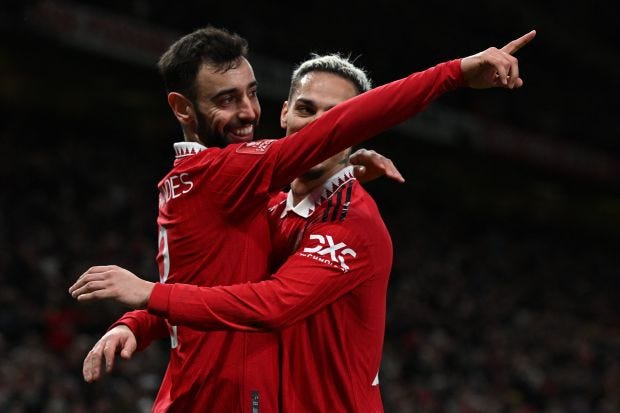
[
  {"x": 233, "y": 90},
  {"x": 305, "y": 101},
  {"x": 310, "y": 102}
]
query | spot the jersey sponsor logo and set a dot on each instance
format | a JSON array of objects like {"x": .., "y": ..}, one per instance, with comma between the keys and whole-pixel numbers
[
  {"x": 329, "y": 252},
  {"x": 256, "y": 147}
]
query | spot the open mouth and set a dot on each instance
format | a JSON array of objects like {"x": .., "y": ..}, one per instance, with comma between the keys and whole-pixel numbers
[{"x": 244, "y": 134}]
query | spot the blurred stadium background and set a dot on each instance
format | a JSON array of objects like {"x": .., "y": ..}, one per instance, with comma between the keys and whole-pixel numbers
[{"x": 504, "y": 294}]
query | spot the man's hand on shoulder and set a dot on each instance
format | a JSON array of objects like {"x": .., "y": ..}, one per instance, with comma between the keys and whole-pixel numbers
[{"x": 370, "y": 165}]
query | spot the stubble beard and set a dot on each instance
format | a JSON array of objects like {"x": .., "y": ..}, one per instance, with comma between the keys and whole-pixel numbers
[{"x": 209, "y": 136}]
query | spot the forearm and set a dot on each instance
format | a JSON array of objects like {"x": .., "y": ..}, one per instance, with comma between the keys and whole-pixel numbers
[
  {"x": 363, "y": 117},
  {"x": 268, "y": 305}
]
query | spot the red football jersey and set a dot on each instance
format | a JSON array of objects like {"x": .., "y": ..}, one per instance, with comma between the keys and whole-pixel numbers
[
  {"x": 213, "y": 230},
  {"x": 327, "y": 300}
]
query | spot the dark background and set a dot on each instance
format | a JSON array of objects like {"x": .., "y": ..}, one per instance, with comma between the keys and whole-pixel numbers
[{"x": 503, "y": 296}]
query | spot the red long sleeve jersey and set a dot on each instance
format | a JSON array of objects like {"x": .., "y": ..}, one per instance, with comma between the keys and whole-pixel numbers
[
  {"x": 327, "y": 300},
  {"x": 213, "y": 230}
]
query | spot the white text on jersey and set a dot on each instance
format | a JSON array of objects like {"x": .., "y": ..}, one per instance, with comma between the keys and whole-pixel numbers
[
  {"x": 326, "y": 246},
  {"x": 174, "y": 186}
]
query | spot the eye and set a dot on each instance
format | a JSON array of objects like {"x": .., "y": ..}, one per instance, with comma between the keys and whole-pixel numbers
[
  {"x": 253, "y": 93},
  {"x": 305, "y": 110},
  {"x": 225, "y": 100}
]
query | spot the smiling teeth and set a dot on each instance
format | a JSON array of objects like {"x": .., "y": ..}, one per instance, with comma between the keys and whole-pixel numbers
[{"x": 244, "y": 131}]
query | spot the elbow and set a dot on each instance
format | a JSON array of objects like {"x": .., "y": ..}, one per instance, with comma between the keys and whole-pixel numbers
[{"x": 274, "y": 322}]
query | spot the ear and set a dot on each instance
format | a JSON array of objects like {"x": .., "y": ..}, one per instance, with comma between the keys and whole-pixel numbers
[
  {"x": 283, "y": 114},
  {"x": 182, "y": 108}
]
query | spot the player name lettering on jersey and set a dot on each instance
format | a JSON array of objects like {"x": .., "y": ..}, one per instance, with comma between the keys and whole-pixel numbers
[
  {"x": 174, "y": 186},
  {"x": 325, "y": 246}
]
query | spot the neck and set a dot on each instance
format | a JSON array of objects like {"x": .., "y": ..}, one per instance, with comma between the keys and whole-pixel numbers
[
  {"x": 190, "y": 136},
  {"x": 302, "y": 186}
]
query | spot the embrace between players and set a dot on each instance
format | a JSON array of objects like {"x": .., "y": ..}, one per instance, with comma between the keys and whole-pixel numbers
[{"x": 273, "y": 301}]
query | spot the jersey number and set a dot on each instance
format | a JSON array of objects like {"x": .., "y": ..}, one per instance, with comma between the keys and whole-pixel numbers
[{"x": 164, "y": 270}]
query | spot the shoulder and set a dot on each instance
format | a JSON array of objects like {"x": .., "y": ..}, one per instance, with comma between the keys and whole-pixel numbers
[
  {"x": 351, "y": 214},
  {"x": 237, "y": 153},
  {"x": 349, "y": 203}
]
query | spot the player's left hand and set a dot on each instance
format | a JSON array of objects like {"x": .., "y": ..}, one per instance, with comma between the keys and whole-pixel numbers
[
  {"x": 112, "y": 282},
  {"x": 119, "y": 339},
  {"x": 495, "y": 67},
  {"x": 370, "y": 165}
]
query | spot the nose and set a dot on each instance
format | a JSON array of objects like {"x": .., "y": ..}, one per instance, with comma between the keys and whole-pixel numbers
[{"x": 249, "y": 109}]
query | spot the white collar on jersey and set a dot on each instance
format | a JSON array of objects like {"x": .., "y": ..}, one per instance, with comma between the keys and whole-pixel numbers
[
  {"x": 320, "y": 194},
  {"x": 183, "y": 149}
]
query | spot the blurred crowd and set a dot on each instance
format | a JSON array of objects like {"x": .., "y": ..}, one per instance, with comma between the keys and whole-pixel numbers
[
  {"x": 502, "y": 318},
  {"x": 69, "y": 201},
  {"x": 482, "y": 316}
]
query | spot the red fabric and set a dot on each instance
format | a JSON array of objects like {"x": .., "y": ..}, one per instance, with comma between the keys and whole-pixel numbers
[
  {"x": 327, "y": 300},
  {"x": 214, "y": 231}
]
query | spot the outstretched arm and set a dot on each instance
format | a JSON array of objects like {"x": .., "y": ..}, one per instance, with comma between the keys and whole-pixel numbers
[
  {"x": 308, "y": 281},
  {"x": 494, "y": 68},
  {"x": 368, "y": 114}
]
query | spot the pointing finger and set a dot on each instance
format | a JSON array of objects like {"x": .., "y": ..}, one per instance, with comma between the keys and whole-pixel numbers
[{"x": 517, "y": 44}]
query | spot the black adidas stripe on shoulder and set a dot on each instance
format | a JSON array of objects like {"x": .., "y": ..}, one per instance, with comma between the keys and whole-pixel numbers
[{"x": 337, "y": 210}]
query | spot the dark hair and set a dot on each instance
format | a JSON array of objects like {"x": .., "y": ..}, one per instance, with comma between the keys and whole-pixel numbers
[{"x": 179, "y": 65}]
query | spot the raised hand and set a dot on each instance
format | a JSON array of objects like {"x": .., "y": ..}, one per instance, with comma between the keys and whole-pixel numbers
[{"x": 495, "y": 67}]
